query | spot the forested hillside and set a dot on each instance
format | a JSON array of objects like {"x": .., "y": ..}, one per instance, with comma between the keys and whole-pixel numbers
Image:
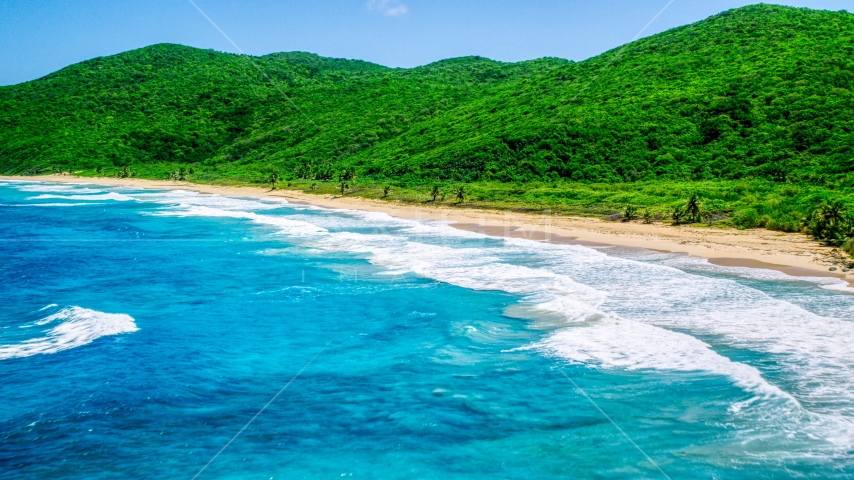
[{"x": 742, "y": 104}]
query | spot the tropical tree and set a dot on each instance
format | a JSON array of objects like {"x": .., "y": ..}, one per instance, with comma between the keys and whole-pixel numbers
[
  {"x": 434, "y": 192},
  {"x": 630, "y": 213},
  {"x": 678, "y": 214},
  {"x": 692, "y": 209},
  {"x": 344, "y": 187},
  {"x": 300, "y": 172},
  {"x": 459, "y": 193},
  {"x": 182, "y": 174},
  {"x": 647, "y": 216},
  {"x": 324, "y": 173},
  {"x": 386, "y": 189},
  {"x": 346, "y": 175},
  {"x": 830, "y": 223},
  {"x": 273, "y": 179}
]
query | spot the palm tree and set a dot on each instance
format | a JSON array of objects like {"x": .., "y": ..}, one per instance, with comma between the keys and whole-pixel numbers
[
  {"x": 630, "y": 213},
  {"x": 99, "y": 171},
  {"x": 692, "y": 208},
  {"x": 299, "y": 172},
  {"x": 434, "y": 192},
  {"x": 182, "y": 174},
  {"x": 324, "y": 173},
  {"x": 346, "y": 175},
  {"x": 385, "y": 191},
  {"x": 460, "y": 193},
  {"x": 647, "y": 216},
  {"x": 678, "y": 214},
  {"x": 273, "y": 179},
  {"x": 344, "y": 188},
  {"x": 829, "y": 224},
  {"x": 833, "y": 212}
]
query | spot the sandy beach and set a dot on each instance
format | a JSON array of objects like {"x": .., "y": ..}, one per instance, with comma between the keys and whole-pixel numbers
[{"x": 792, "y": 253}]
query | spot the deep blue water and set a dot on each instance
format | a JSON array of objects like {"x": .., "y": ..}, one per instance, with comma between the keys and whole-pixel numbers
[{"x": 140, "y": 332}]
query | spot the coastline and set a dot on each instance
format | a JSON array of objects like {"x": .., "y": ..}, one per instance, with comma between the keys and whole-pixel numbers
[{"x": 791, "y": 253}]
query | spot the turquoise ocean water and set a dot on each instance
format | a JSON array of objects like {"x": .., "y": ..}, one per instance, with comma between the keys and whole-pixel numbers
[{"x": 141, "y": 330}]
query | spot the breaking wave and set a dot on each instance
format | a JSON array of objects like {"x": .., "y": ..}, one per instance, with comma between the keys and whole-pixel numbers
[{"x": 73, "y": 327}]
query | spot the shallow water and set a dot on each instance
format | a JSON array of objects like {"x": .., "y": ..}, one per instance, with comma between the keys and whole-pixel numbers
[{"x": 142, "y": 330}]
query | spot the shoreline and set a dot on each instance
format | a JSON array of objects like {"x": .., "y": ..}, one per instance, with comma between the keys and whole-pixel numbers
[{"x": 791, "y": 253}]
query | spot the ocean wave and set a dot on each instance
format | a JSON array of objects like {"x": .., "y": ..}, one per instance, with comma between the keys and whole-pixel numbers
[
  {"x": 76, "y": 326},
  {"x": 281, "y": 223},
  {"x": 50, "y": 204},
  {"x": 625, "y": 344},
  {"x": 698, "y": 264},
  {"x": 54, "y": 188},
  {"x": 189, "y": 198},
  {"x": 811, "y": 350},
  {"x": 105, "y": 196}
]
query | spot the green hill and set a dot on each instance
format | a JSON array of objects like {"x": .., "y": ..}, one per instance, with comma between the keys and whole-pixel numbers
[{"x": 752, "y": 108}]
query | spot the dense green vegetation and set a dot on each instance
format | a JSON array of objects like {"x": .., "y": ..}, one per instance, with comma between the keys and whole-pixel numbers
[{"x": 751, "y": 109}]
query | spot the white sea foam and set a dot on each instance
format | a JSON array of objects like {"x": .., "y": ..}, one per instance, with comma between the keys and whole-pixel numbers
[
  {"x": 813, "y": 349},
  {"x": 98, "y": 197},
  {"x": 75, "y": 327},
  {"x": 283, "y": 224},
  {"x": 619, "y": 343},
  {"x": 189, "y": 198},
  {"x": 697, "y": 264},
  {"x": 46, "y": 204},
  {"x": 54, "y": 188}
]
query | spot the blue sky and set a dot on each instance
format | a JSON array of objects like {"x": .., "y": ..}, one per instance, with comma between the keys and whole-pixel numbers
[{"x": 41, "y": 36}]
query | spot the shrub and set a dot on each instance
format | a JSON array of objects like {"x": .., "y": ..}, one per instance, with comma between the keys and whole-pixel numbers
[
  {"x": 787, "y": 223},
  {"x": 647, "y": 216},
  {"x": 830, "y": 223},
  {"x": 678, "y": 214},
  {"x": 747, "y": 218},
  {"x": 630, "y": 213}
]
